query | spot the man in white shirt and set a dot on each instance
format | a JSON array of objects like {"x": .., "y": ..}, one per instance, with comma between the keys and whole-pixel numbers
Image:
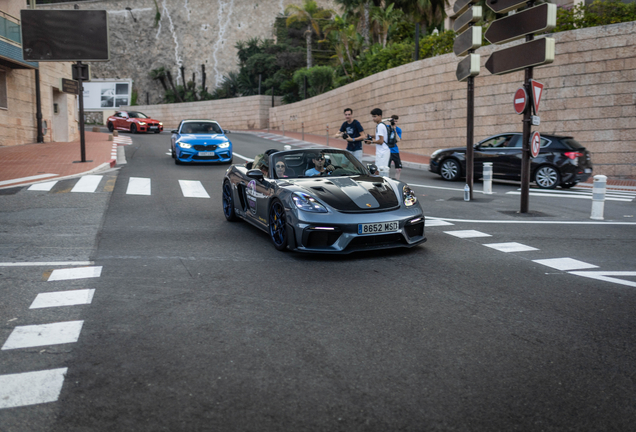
[{"x": 382, "y": 151}]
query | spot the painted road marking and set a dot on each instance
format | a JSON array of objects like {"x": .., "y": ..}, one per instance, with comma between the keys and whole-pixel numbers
[
  {"x": 87, "y": 184},
  {"x": 138, "y": 186},
  {"x": 435, "y": 222},
  {"x": 243, "y": 157},
  {"x": 43, "y": 334},
  {"x": 25, "y": 179},
  {"x": 45, "y": 186},
  {"x": 467, "y": 234},
  {"x": 193, "y": 189},
  {"x": 608, "y": 197},
  {"x": 527, "y": 222},
  {"x": 605, "y": 276},
  {"x": 31, "y": 388},
  {"x": 75, "y": 273},
  {"x": 511, "y": 247},
  {"x": 45, "y": 263},
  {"x": 63, "y": 298},
  {"x": 565, "y": 264}
]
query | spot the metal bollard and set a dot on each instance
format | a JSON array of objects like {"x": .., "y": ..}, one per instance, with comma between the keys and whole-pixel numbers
[
  {"x": 598, "y": 197},
  {"x": 303, "y": 126},
  {"x": 283, "y": 128},
  {"x": 487, "y": 177},
  {"x": 267, "y": 126},
  {"x": 327, "y": 135}
]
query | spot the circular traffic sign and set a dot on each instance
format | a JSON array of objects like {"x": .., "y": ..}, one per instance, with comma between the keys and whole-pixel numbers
[
  {"x": 535, "y": 144},
  {"x": 520, "y": 100}
]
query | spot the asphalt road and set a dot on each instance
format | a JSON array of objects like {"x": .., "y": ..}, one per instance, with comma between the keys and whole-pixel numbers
[{"x": 198, "y": 324}]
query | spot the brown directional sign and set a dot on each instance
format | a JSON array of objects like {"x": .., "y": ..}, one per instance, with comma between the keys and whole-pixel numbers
[
  {"x": 472, "y": 15},
  {"x": 468, "y": 67},
  {"x": 469, "y": 40},
  {"x": 461, "y": 6},
  {"x": 70, "y": 86},
  {"x": 537, "y": 19},
  {"x": 503, "y": 6},
  {"x": 533, "y": 53}
]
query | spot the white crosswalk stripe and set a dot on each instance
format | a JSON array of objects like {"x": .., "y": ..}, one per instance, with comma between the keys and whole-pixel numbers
[
  {"x": 31, "y": 388},
  {"x": 87, "y": 184},
  {"x": 193, "y": 189},
  {"x": 138, "y": 186},
  {"x": 43, "y": 335},
  {"x": 45, "y": 186}
]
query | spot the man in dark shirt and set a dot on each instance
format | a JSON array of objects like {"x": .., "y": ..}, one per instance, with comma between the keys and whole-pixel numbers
[{"x": 351, "y": 130}]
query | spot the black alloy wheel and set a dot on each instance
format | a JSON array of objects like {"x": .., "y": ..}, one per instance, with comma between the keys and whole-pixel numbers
[
  {"x": 547, "y": 177},
  {"x": 110, "y": 127},
  {"x": 450, "y": 170},
  {"x": 133, "y": 128},
  {"x": 278, "y": 225},
  {"x": 228, "y": 202}
]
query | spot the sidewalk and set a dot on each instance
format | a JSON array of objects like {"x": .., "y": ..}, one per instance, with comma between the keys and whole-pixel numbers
[
  {"x": 30, "y": 163},
  {"x": 416, "y": 161}
]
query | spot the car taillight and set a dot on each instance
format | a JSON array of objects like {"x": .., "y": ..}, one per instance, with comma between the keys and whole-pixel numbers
[{"x": 573, "y": 155}]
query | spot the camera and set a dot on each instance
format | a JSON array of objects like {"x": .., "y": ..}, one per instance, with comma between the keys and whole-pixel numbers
[
  {"x": 392, "y": 122},
  {"x": 345, "y": 135},
  {"x": 369, "y": 137}
]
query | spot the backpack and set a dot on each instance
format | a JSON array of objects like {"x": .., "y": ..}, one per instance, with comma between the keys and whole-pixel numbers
[{"x": 392, "y": 140}]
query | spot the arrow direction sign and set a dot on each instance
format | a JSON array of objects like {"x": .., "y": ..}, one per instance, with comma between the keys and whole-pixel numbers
[
  {"x": 537, "y": 92},
  {"x": 472, "y": 15},
  {"x": 537, "y": 19},
  {"x": 462, "y": 5},
  {"x": 503, "y": 6},
  {"x": 468, "y": 67},
  {"x": 469, "y": 40},
  {"x": 533, "y": 53}
]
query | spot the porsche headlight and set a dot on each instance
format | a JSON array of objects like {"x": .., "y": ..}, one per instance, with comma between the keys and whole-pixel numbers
[
  {"x": 142, "y": 123},
  {"x": 224, "y": 145},
  {"x": 307, "y": 203},
  {"x": 184, "y": 145},
  {"x": 409, "y": 196}
]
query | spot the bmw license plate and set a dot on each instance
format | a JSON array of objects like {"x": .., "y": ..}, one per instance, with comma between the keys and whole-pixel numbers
[
  {"x": 206, "y": 153},
  {"x": 373, "y": 228},
  {"x": 154, "y": 127}
]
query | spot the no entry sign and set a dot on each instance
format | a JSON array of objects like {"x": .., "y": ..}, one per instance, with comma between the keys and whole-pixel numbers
[
  {"x": 535, "y": 144},
  {"x": 520, "y": 100}
]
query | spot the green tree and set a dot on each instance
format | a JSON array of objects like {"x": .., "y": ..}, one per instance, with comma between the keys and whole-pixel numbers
[
  {"x": 383, "y": 19},
  {"x": 309, "y": 13}
]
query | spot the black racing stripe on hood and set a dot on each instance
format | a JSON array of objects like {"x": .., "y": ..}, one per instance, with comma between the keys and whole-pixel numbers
[{"x": 352, "y": 193}]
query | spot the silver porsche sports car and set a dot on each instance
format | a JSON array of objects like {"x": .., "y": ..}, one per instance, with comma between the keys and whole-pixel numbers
[{"x": 322, "y": 200}]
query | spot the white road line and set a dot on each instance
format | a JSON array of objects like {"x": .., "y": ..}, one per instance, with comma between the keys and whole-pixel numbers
[
  {"x": 138, "y": 186},
  {"x": 563, "y": 195},
  {"x": 605, "y": 276},
  {"x": 511, "y": 247},
  {"x": 43, "y": 334},
  {"x": 25, "y": 179},
  {"x": 565, "y": 264},
  {"x": 446, "y": 188},
  {"x": 499, "y": 221},
  {"x": 45, "y": 186},
  {"x": 46, "y": 263},
  {"x": 75, "y": 273},
  {"x": 243, "y": 157},
  {"x": 193, "y": 189},
  {"x": 435, "y": 222},
  {"x": 467, "y": 234},
  {"x": 87, "y": 184},
  {"x": 63, "y": 298},
  {"x": 31, "y": 388}
]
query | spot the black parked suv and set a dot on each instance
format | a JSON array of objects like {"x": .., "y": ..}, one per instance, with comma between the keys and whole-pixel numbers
[{"x": 562, "y": 161}]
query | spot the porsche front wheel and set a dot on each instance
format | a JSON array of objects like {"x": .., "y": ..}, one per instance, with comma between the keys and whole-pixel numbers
[
  {"x": 228, "y": 202},
  {"x": 278, "y": 226}
]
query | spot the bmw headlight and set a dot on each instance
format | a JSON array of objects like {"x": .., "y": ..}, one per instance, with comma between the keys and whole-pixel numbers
[
  {"x": 307, "y": 203},
  {"x": 224, "y": 145},
  {"x": 409, "y": 196},
  {"x": 160, "y": 123},
  {"x": 184, "y": 145},
  {"x": 142, "y": 123}
]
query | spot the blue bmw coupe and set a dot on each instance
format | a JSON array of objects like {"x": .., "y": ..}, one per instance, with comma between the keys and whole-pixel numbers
[{"x": 200, "y": 141}]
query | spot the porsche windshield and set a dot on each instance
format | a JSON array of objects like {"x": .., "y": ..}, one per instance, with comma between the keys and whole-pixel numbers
[
  {"x": 314, "y": 163},
  {"x": 201, "y": 128}
]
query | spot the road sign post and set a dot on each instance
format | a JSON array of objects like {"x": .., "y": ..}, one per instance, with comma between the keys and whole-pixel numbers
[{"x": 524, "y": 56}]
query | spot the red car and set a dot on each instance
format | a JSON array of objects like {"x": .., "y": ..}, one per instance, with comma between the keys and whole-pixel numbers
[{"x": 133, "y": 121}]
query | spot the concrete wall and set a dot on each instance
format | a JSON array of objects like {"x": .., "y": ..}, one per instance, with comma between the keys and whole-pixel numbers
[
  {"x": 244, "y": 113},
  {"x": 590, "y": 94}
]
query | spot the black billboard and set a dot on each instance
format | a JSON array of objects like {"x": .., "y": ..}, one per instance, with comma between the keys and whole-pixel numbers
[{"x": 64, "y": 35}]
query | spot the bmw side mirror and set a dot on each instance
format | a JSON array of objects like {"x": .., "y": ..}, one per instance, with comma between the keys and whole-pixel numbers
[
  {"x": 256, "y": 174},
  {"x": 226, "y": 131}
]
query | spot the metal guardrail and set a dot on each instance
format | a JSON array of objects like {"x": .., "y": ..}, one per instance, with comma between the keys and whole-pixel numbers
[{"x": 10, "y": 27}]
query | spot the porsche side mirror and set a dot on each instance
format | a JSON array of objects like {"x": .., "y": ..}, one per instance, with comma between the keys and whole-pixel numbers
[
  {"x": 372, "y": 168},
  {"x": 174, "y": 131},
  {"x": 255, "y": 174}
]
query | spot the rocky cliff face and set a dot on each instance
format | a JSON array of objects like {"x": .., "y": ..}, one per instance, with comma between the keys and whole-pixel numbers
[{"x": 179, "y": 33}]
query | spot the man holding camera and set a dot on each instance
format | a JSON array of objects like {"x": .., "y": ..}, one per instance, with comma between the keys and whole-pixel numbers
[
  {"x": 382, "y": 152},
  {"x": 351, "y": 130}
]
